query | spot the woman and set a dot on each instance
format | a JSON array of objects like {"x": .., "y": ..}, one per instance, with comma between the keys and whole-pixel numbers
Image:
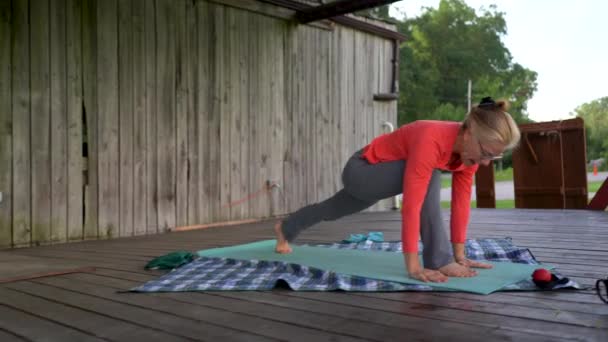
[{"x": 409, "y": 161}]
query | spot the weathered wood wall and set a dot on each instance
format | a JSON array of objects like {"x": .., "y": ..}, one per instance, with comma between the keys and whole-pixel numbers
[{"x": 129, "y": 117}]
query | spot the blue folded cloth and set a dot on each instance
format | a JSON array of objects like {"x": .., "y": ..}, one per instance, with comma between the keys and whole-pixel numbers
[{"x": 372, "y": 236}]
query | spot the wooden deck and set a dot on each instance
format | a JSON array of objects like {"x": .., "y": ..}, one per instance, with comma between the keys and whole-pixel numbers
[{"x": 86, "y": 306}]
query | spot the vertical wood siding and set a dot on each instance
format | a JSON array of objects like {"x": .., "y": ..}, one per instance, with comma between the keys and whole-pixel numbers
[{"x": 131, "y": 117}]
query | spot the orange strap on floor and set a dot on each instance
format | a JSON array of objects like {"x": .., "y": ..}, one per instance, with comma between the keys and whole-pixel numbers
[
  {"x": 48, "y": 274},
  {"x": 267, "y": 188}
]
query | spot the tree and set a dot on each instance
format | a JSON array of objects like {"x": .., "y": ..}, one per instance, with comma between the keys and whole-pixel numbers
[
  {"x": 448, "y": 46},
  {"x": 379, "y": 12},
  {"x": 595, "y": 115}
]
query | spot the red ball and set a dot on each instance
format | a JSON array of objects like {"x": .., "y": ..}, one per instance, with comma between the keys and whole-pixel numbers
[{"x": 541, "y": 275}]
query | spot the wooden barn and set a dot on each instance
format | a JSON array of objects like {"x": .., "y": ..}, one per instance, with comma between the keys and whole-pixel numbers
[
  {"x": 123, "y": 118},
  {"x": 134, "y": 128}
]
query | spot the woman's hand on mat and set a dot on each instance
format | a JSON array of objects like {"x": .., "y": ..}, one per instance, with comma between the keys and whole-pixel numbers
[
  {"x": 471, "y": 263},
  {"x": 459, "y": 257},
  {"x": 455, "y": 269},
  {"x": 427, "y": 275},
  {"x": 416, "y": 271}
]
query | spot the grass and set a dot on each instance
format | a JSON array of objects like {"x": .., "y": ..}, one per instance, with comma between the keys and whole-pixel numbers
[
  {"x": 507, "y": 175},
  {"x": 594, "y": 186},
  {"x": 499, "y": 176},
  {"x": 500, "y": 204},
  {"x": 510, "y": 203},
  {"x": 503, "y": 175}
]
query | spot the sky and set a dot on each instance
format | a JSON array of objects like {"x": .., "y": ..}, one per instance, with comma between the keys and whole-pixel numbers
[{"x": 564, "y": 41}]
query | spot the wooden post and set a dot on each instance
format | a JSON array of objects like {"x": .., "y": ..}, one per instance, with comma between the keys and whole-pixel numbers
[
  {"x": 484, "y": 186},
  {"x": 6, "y": 124}
]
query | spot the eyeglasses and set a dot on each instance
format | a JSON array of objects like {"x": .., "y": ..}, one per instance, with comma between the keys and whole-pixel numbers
[{"x": 485, "y": 155}]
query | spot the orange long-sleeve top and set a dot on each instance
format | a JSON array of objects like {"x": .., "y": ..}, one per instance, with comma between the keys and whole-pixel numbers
[{"x": 425, "y": 145}]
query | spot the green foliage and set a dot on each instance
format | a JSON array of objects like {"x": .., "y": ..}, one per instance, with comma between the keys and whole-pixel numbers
[
  {"x": 380, "y": 12},
  {"x": 448, "y": 46},
  {"x": 447, "y": 111},
  {"x": 595, "y": 115}
]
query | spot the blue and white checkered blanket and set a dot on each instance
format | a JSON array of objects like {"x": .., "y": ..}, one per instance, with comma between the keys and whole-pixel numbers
[{"x": 221, "y": 274}]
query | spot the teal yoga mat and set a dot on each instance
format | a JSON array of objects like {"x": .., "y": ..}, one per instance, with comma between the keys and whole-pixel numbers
[{"x": 375, "y": 264}]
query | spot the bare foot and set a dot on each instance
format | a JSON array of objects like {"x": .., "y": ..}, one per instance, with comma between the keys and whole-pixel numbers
[
  {"x": 282, "y": 246},
  {"x": 457, "y": 270}
]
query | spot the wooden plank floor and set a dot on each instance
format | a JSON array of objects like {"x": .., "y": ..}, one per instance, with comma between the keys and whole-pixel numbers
[{"x": 88, "y": 306}]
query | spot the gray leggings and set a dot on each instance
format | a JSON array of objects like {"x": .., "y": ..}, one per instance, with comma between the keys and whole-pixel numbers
[{"x": 364, "y": 185}]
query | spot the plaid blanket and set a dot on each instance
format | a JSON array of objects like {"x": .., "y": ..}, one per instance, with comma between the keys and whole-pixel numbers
[{"x": 221, "y": 274}]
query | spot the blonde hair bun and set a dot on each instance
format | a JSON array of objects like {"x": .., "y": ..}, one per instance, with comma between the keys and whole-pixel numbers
[
  {"x": 503, "y": 105},
  {"x": 489, "y": 121}
]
